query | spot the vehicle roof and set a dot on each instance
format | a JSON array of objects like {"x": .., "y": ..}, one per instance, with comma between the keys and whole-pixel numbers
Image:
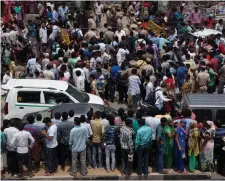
[
  {"x": 205, "y": 100},
  {"x": 37, "y": 83}
]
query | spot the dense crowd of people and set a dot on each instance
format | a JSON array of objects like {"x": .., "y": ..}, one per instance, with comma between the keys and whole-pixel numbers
[{"x": 141, "y": 63}]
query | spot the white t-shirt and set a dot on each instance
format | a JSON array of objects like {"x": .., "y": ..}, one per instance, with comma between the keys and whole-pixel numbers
[
  {"x": 52, "y": 131},
  {"x": 98, "y": 8},
  {"x": 152, "y": 123},
  {"x": 120, "y": 34},
  {"x": 6, "y": 78}
]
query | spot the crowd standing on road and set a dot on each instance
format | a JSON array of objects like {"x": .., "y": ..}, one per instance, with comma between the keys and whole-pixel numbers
[{"x": 141, "y": 64}]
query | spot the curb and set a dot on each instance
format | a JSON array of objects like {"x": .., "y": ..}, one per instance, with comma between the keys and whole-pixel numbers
[{"x": 204, "y": 176}]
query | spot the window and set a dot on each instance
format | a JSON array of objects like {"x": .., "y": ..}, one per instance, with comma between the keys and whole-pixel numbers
[
  {"x": 78, "y": 95},
  {"x": 56, "y": 98},
  {"x": 202, "y": 113},
  {"x": 220, "y": 115},
  {"x": 29, "y": 97}
]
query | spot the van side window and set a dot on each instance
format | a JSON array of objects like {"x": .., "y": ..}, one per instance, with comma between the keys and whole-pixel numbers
[
  {"x": 202, "y": 113},
  {"x": 220, "y": 115},
  {"x": 56, "y": 98},
  {"x": 29, "y": 97}
]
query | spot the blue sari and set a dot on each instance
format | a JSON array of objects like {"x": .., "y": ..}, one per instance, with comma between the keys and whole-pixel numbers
[{"x": 180, "y": 155}]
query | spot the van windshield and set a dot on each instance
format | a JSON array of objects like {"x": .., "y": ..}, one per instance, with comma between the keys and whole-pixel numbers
[{"x": 78, "y": 95}]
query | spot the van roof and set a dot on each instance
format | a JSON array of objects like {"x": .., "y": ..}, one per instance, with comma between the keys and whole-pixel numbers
[
  {"x": 37, "y": 83},
  {"x": 205, "y": 100}
]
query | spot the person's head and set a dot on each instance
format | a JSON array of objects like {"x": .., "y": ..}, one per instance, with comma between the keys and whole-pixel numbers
[
  {"x": 71, "y": 113},
  {"x": 119, "y": 28},
  {"x": 39, "y": 117},
  {"x": 193, "y": 125},
  {"x": 92, "y": 77},
  {"x": 82, "y": 119},
  {"x": 30, "y": 119},
  {"x": 218, "y": 123},
  {"x": 128, "y": 122},
  {"x": 64, "y": 116},
  {"x": 12, "y": 123},
  {"x": 77, "y": 121},
  {"x": 49, "y": 66},
  {"x": 134, "y": 71},
  {"x": 78, "y": 73},
  {"x": 47, "y": 121},
  {"x": 163, "y": 121},
  {"x": 141, "y": 122},
  {"x": 139, "y": 115},
  {"x": 111, "y": 119},
  {"x": 130, "y": 113},
  {"x": 97, "y": 115},
  {"x": 121, "y": 112},
  {"x": 7, "y": 71},
  {"x": 196, "y": 9},
  {"x": 170, "y": 123},
  {"x": 57, "y": 115},
  {"x": 220, "y": 21},
  {"x": 103, "y": 115},
  {"x": 20, "y": 126},
  {"x": 187, "y": 77}
]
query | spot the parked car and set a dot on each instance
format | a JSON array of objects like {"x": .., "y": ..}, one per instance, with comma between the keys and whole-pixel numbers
[
  {"x": 79, "y": 109},
  {"x": 211, "y": 106},
  {"x": 25, "y": 96}
]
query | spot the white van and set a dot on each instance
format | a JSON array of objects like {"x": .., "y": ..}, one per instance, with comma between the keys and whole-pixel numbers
[{"x": 31, "y": 95}]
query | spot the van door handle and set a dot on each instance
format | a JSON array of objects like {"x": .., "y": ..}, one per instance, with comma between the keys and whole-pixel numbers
[{"x": 21, "y": 107}]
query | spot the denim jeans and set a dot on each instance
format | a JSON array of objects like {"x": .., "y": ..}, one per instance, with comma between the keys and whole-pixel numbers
[
  {"x": 23, "y": 158},
  {"x": 142, "y": 156},
  {"x": 64, "y": 154},
  {"x": 126, "y": 165},
  {"x": 159, "y": 157},
  {"x": 110, "y": 151},
  {"x": 83, "y": 165},
  {"x": 51, "y": 163},
  {"x": 97, "y": 147},
  {"x": 88, "y": 152}
]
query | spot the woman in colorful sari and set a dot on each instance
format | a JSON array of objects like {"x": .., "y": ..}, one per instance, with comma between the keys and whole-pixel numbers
[
  {"x": 169, "y": 136},
  {"x": 207, "y": 146},
  {"x": 193, "y": 146},
  {"x": 180, "y": 146}
]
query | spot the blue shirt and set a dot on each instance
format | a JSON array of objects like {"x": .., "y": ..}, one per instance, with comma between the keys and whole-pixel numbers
[
  {"x": 144, "y": 137},
  {"x": 78, "y": 137},
  {"x": 181, "y": 72},
  {"x": 32, "y": 31},
  {"x": 220, "y": 132},
  {"x": 3, "y": 141},
  {"x": 114, "y": 71}
]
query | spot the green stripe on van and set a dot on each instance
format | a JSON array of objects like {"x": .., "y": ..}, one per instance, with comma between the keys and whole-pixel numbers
[{"x": 27, "y": 105}]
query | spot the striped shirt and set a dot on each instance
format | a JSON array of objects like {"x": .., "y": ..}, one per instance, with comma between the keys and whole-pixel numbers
[
  {"x": 126, "y": 138},
  {"x": 134, "y": 82}
]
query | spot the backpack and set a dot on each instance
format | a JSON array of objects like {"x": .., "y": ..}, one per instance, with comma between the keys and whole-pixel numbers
[
  {"x": 151, "y": 97},
  {"x": 75, "y": 33}
]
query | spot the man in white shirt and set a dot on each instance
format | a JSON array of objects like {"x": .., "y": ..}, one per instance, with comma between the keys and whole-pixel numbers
[
  {"x": 45, "y": 61},
  {"x": 152, "y": 123},
  {"x": 31, "y": 65},
  {"x": 79, "y": 81},
  {"x": 149, "y": 88},
  {"x": 43, "y": 35},
  {"x": 51, "y": 144},
  {"x": 160, "y": 98},
  {"x": 119, "y": 33},
  {"x": 98, "y": 12},
  {"x": 13, "y": 35},
  {"x": 20, "y": 141},
  {"x": 11, "y": 151},
  {"x": 55, "y": 32},
  {"x": 57, "y": 118},
  {"x": 121, "y": 54},
  {"x": 7, "y": 77}
]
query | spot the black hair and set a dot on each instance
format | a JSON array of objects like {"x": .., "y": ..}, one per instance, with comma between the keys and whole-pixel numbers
[
  {"x": 30, "y": 119},
  {"x": 97, "y": 114},
  {"x": 12, "y": 123},
  {"x": 64, "y": 115},
  {"x": 20, "y": 126},
  {"x": 139, "y": 115},
  {"x": 82, "y": 119},
  {"x": 47, "y": 120},
  {"x": 163, "y": 120},
  {"x": 39, "y": 117},
  {"x": 57, "y": 115},
  {"x": 103, "y": 115},
  {"x": 111, "y": 119},
  {"x": 71, "y": 113},
  {"x": 78, "y": 73},
  {"x": 128, "y": 121},
  {"x": 77, "y": 120},
  {"x": 130, "y": 113},
  {"x": 141, "y": 121},
  {"x": 121, "y": 112}
]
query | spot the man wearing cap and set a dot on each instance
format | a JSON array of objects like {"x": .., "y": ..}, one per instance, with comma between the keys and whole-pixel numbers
[
  {"x": 202, "y": 80},
  {"x": 109, "y": 34},
  {"x": 91, "y": 21}
]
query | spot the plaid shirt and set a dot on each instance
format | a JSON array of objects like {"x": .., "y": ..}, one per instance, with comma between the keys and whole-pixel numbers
[
  {"x": 126, "y": 138},
  {"x": 63, "y": 132}
]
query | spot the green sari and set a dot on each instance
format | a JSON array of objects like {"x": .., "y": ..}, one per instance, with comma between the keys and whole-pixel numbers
[{"x": 169, "y": 147}]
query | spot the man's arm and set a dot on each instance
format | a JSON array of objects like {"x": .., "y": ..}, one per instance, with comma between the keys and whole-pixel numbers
[
  {"x": 30, "y": 137},
  {"x": 71, "y": 138}
]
